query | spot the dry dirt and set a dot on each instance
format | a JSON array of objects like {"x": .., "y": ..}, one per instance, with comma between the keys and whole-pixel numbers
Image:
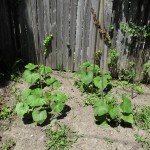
[{"x": 79, "y": 118}]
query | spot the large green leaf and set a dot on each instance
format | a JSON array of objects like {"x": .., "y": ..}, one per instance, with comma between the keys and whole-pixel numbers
[
  {"x": 37, "y": 92},
  {"x": 126, "y": 105},
  {"x": 127, "y": 118},
  {"x": 30, "y": 77},
  {"x": 58, "y": 96},
  {"x": 114, "y": 112},
  {"x": 96, "y": 68},
  {"x": 21, "y": 109},
  {"x": 25, "y": 94},
  {"x": 53, "y": 81},
  {"x": 39, "y": 116},
  {"x": 31, "y": 66},
  {"x": 57, "y": 107},
  {"x": 85, "y": 65},
  {"x": 45, "y": 70},
  {"x": 87, "y": 78},
  {"x": 98, "y": 82},
  {"x": 39, "y": 102},
  {"x": 102, "y": 121},
  {"x": 101, "y": 108},
  {"x": 30, "y": 100}
]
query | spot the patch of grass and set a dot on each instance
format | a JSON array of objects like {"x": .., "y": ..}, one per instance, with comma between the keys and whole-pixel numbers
[
  {"x": 60, "y": 138},
  {"x": 142, "y": 118},
  {"x": 143, "y": 140},
  {"x": 91, "y": 99},
  {"x": 108, "y": 140},
  {"x": 9, "y": 144}
]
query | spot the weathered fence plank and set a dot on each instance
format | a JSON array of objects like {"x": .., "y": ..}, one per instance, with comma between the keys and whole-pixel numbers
[
  {"x": 73, "y": 16},
  {"x": 59, "y": 33},
  {"x": 80, "y": 14}
]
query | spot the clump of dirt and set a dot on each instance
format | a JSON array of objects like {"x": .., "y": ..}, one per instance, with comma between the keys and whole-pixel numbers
[{"x": 78, "y": 118}]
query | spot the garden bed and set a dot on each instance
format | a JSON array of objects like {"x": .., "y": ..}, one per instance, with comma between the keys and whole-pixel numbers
[{"x": 78, "y": 117}]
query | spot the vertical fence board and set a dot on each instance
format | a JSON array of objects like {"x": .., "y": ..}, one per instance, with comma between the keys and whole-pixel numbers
[
  {"x": 73, "y": 15},
  {"x": 66, "y": 14},
  {"x": 59, "y": 33},
  {"x": 80, "y": 13},
  {"x": 92, "y": 34},
  {"x": 86, "y": 29},
  {"x": 54, "y": 31}
]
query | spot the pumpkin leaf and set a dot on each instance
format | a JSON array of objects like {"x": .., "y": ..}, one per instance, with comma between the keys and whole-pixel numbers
[
  {"x": 39, "y": 116},
  {"x": 57, "y": 107},
  {"x": 21, "y": 109},
  {"x": 87, "y": 78},
  {"x": 31, "y": 66},
  {"x": 126, "y": 105}
]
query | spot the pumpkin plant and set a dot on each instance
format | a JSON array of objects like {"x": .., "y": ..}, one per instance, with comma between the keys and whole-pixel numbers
[
  {"x": 107, "y": 110},
  {"x": 86, "y": 76},
  {"x": 38, "y": 101}
]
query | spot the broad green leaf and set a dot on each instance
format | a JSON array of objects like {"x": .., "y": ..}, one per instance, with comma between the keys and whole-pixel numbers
[
  {"x": 86, "y": 78},
  {"x": 107, "y": 76},
  {"x": 57, "y": 83},
  {"x": 58, "y": 96},
  {"x": 98, "y": 82},
  {"x": 25, "y": 94},
  {"x": 104, "y": 124},
  {"x": 21, "y": 109},
  {"x": 31, "y": 66},
  {"x": 127, "y": 118},
  {"x": 126, "y": 105},
  {"x": 37, "y": 92},
  {"x": 85, "y": 65},
  {"x": 45, "y": 70},
  {"x": 50, "y": 81},
  {"x": 39, "y": 102},
  {"x": 30, "y": 100},
  {"x": 30, "y": 77},
  {"x": 90, "y": 68},
  {"x": 114, "y": 112},
  {"x": 39, "y": 116},
  {"x": 101, "y": 108},
  {"x": 53, "y": 81},
  {"x": 102, "y": 121},
  {"x": 57, "y": 107}
]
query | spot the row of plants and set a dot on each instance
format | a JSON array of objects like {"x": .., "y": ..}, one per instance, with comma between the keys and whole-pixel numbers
[
  {"x": 107, "y": 107},
  {"x": 38, "y": 101}
]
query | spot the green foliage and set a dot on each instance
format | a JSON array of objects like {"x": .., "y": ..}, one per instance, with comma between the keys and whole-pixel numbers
[
  {"x": 86, "y": 78},
  {"x": 107, "y": 110},
  {"x": 60, "y": 138},
  {"x": 113, "y": 58},
  {"x": 111, "y": 27},
  {"x": 146, "y": 72},
  {"x": 129, "y": 73},
  {"x": 137, "y": 87},
  {"x": 134, "y": 30},
  {"x": 37, "y": 101},
  {"x": 142, "y": 118},
  {"x": 39, "y": 74},
  {"x": 9, "y": 144},
  {"x": 5, "y": 112},
  {"x": 47, "y": 42},
  {"x": 91, "y": 99},
  {"x": 143, "y": 140}
]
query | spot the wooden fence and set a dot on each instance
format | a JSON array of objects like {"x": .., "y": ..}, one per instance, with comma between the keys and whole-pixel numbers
[{"x": 75, "y": 36}]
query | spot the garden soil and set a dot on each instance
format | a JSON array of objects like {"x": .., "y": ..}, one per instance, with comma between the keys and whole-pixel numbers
[{"x": 78, "y": 117}]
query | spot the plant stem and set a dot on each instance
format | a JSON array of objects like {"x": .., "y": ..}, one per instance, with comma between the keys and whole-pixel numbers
[{"x": 102, "y": 47}]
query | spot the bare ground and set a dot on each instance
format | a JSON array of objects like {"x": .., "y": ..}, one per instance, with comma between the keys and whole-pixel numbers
[{"x": 79, "y": 118}]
